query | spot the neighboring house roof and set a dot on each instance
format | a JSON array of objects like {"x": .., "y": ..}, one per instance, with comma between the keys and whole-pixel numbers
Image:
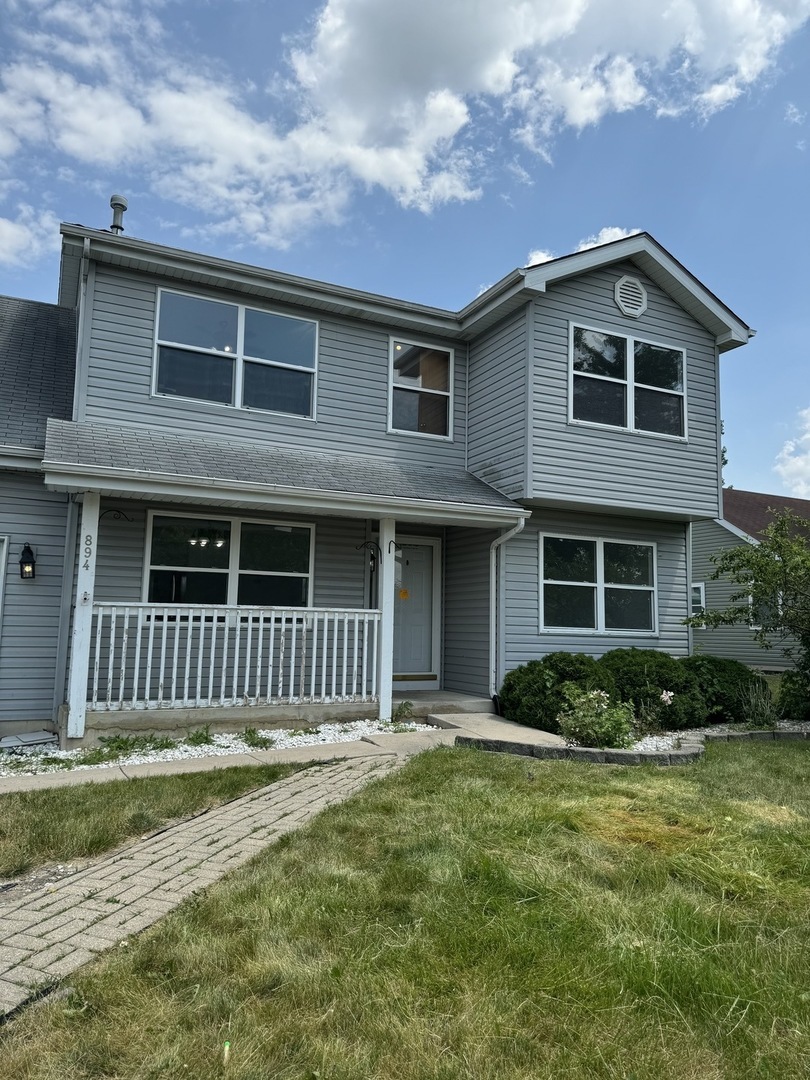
[
  {"x": 752, "y": 511},
  {"x": 37, "y": 363},
  {"x": 138, "y": 460},
  {"x": 492, "y": 305}
]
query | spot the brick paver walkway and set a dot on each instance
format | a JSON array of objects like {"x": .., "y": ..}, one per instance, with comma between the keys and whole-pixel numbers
[{"x": 48, "y": 935}]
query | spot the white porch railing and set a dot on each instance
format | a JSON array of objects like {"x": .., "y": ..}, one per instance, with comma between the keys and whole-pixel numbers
[{"x": 148, "y": 656}]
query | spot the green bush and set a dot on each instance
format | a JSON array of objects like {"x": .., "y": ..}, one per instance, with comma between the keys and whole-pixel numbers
[
  {"x": 643, "y": 676},
  {"x": 532, "y": 694},
  {"x": 728, "y": 687},
  {"x": 794, "y": 696},
  {"x": 590, "y": 719}
]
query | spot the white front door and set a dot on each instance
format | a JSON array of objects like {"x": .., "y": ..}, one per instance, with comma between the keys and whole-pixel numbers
[{"x": 417, "y": 607}]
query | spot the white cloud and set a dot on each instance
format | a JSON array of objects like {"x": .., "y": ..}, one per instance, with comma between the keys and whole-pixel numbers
[
  {"x": 794, "y": 115},
  {"x": 793, "y": 460},
  {"x": 606, "y": 236},
  {"x": 539, "y": 255},
  {"x": 26, "y": 239},
  {"x": 378, "y": 94}
]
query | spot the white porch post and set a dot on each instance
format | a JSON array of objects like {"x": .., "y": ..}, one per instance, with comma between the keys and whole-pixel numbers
[
  {"x": 82, "y": 616},
  {"x": 385, "y": 659}
]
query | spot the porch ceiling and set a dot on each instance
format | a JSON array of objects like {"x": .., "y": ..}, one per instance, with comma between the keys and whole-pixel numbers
[{"x": 162, "y": 465}]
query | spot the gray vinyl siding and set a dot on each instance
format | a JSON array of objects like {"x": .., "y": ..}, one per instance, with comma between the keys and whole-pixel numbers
[
  {"x": 29, "y": 619},
  {"x": 352, "y": 383},
  {"x": 732, "y": 642},
  {"x": 588, "y": 464},
  {"x": 339, "y": 568},
  {"x": 466, "y": 610},
  {"x": 496, "y": 437},
  {"x": 522, "y": 584}
]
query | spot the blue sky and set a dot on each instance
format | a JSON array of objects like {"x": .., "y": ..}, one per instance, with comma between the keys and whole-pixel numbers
[{"x": 423, "y": 150}]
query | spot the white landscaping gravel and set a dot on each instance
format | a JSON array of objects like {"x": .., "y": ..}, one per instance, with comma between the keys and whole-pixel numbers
[
  {"x": 221, "y": 745},
  {"x": 672, "y": 740}
]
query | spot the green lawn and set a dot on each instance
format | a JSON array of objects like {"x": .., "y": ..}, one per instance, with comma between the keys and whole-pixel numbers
[
  {"x": 60, "y": 824},
  {"x": 480, "y": 917}
]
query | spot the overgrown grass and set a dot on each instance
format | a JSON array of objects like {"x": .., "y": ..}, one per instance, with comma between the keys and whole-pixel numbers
[
  {"x": 480, "y": 917},
  {"x": 60, "y": 824}
]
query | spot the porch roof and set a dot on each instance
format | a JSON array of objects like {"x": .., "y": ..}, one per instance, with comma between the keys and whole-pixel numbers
[{"x": 142, "y": 462}]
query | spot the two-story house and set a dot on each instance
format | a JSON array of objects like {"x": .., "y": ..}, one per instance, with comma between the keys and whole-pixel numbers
[{"x": 287, "y": 495}]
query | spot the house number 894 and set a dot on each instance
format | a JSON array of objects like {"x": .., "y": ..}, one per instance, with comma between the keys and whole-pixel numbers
[{"x": 87, "y": 552}]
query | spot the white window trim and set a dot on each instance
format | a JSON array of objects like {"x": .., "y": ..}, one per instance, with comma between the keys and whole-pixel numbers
[
  {"x": 239, "y": 357},
  {"x": 629, "y": 382},
  {"x": 233, "y": 570},
  {"x": 758, "y": 626},
  {"x": 701, "y": 587},
  {"x": 4, "y": 546},
  {"x": 449, "y": 394},
  {"x": 600, "y": 585}
]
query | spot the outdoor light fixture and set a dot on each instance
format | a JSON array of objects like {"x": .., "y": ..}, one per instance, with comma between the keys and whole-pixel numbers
[{"x": 27, "y": 563}]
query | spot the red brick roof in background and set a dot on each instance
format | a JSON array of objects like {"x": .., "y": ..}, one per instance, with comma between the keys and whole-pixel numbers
[{"x": 751, "y": 510}]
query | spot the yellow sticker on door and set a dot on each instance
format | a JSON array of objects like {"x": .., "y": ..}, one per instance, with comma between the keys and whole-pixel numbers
[{"x": 404, "y": 594}]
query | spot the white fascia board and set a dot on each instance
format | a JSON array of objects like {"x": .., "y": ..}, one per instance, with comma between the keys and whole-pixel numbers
[
  {"x": 735, "y": 531},
  {"x": 21, "y": 457},
  {"x": 76, "y": 478},
  {"x": 307, "y": 292},
  {"x": 737, "y": 332}
]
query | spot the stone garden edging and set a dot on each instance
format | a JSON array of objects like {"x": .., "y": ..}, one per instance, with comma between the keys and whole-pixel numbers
[{"x": 692, "y": 750}]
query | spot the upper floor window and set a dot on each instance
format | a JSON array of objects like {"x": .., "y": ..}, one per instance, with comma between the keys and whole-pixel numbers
[
  {"x": 623, "y": 382},
  {"x": 205, "y": 561},
  {"x": 421, "y": 389},
  {"x": 235, "y": 355},
  {"x": 602, "y": 586}
]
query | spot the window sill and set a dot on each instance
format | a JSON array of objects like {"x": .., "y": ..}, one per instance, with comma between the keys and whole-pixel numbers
[
  {"x": 421, "y": 435},
  {"x": 235, "y": 408},
  {"x": 599, "y": 633},
  {"x": 628, "y": 431}
]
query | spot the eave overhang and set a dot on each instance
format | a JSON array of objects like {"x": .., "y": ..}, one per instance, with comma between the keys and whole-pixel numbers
[
  {"x": 76, "y": 478},
  {"x": 512, "y": 292}
]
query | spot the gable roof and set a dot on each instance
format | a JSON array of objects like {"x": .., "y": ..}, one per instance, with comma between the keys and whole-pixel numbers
[
  {"x": 660, "y": 266},
  {"x": 750, "y": 511},
  {"x": 37, "y": 363},
  {"x": 162, "y": 464},
  {"x": 502, "y": 298}
]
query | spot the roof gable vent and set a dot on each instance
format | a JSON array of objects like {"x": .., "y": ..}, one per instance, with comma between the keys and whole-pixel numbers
[{"x": 631, "y": 297}]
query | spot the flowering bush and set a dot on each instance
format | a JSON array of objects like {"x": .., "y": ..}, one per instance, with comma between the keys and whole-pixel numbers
[{"x": 590, "y": 719}]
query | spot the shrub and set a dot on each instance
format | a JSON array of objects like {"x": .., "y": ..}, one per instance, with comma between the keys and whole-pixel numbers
[
  {"x": 794, "y": 696},
  {"x": 641, "y": 676},
  {"x": 532, "y": 694},
  {"x": 589, "y": 718},
  {"x": 727, "y": 686}
]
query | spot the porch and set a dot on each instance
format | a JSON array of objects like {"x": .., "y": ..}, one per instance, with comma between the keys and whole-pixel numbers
[{"x": 194, "y": 599}]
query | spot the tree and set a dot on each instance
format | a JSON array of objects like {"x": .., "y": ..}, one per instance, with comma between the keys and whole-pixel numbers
[{"x": 773, "y": 596}]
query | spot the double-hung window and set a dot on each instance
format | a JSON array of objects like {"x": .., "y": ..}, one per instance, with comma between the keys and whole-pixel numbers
[
  {"x": 205, "y": 561},
  {"x": 230, "y": 354},
  {"x": 602, "y": 586},
  {"x": 421, "y": 389},
  {"x": 624, "y": 382}
]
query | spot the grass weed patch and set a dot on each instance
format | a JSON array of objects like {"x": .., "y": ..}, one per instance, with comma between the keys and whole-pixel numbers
[
  {"x": 60, "y": 824},
  {"x": 478, "y": 916}
]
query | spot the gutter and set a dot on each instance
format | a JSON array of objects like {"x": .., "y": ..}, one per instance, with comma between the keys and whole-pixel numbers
[{"x": 493, "y": 602}]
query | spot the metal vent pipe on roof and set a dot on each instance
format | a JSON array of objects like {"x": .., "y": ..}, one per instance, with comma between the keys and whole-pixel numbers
[{"x": 119, "y": 205}]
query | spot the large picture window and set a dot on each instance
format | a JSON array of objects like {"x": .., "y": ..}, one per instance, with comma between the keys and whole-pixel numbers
[
  {"x": 235, "y": 355},
  {"x": 623, "y": 382},
  {"x": 421, "y": 389},
  {"x": 597, "y": 585},
  {"x": 204, "y": 561}
]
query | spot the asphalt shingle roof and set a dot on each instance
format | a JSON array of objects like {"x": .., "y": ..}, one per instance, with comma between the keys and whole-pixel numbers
[
  {"x": 37, "y": 364},
  {"x": 751, "y": 510},
  {"x": 168, "y": 454}
]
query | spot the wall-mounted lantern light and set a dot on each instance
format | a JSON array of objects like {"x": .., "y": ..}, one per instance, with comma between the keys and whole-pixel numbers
[{"x": 28, "y": 563}]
